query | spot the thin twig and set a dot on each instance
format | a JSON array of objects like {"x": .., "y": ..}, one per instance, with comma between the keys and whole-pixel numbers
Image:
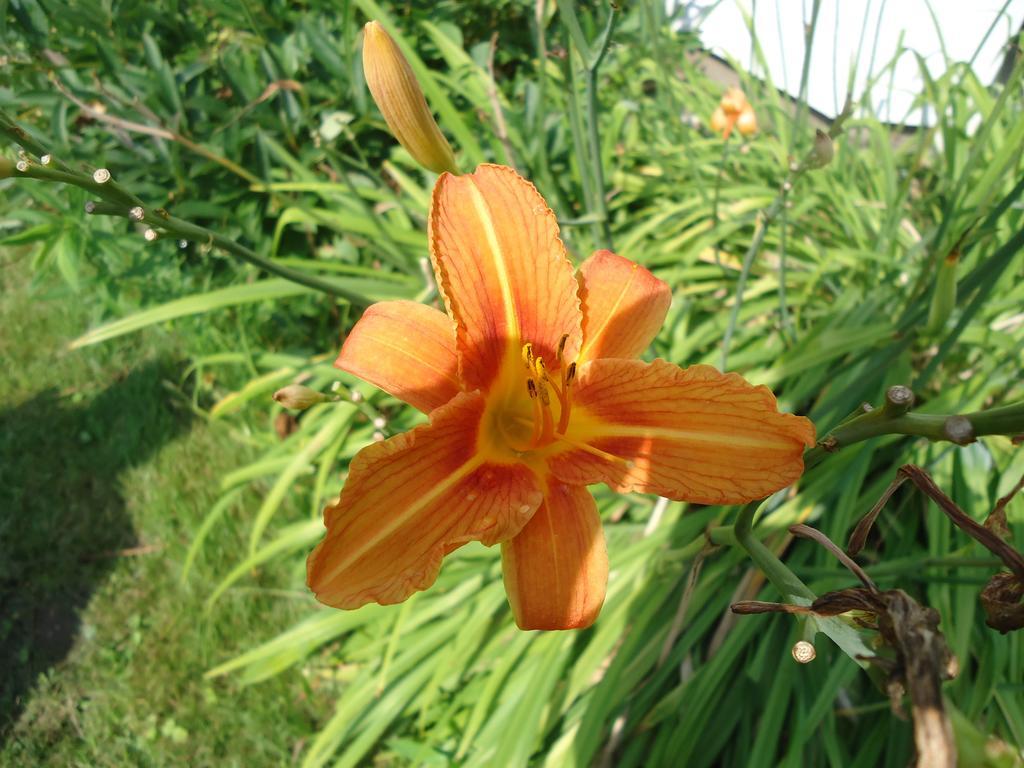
[
  {"x": 500, "y": 127},
  {"x": 155, "y": 131}
]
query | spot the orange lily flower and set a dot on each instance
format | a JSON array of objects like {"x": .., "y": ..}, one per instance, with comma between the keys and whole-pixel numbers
[
  {"x": 534, "y": 392},
  {"x": 734, "y": 111}
]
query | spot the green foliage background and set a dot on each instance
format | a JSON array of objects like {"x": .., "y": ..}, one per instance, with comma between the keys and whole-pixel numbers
[{"x": 276, "y": 142}]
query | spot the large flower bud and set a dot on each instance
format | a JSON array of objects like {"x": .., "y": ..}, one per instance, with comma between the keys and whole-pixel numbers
[{"x": 400, "y": 100}]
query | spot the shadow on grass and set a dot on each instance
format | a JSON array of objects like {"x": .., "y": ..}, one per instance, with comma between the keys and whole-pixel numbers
[{"x": 63, "y": 521}]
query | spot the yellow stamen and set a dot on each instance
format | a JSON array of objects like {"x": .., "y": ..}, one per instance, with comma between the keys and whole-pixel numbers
[
  {"x": 542, "y": 392},
  {"x": 566, "y": 402},
  {"x": 541, "y": 369},
  {"x": 531, "y": 387},
  {"x": 627, "y": 463},
  {"x": 539, "y": 385}
]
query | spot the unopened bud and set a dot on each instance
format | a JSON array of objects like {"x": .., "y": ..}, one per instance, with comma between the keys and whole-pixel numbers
[
  {"x": 378, "y": 437},
  {"x": 747, "y": 122},
  {"x": 22, "y": 166},
  {"x": 136, "y": 213},
  {"x": 298, "y": 397},
  {"x": 45, "y": 160},
  {"x": 151, "y": 234},
  {"x": 400, "y": 99},
  {"x": 734, "y": 111},
  {"x": 101, "y": 175},
  {"x": 380, "y": 422},
  {"x": 718, "y": 120},
  {"x": 734, "y": 100},
  {"x": 822, "y": 152}
]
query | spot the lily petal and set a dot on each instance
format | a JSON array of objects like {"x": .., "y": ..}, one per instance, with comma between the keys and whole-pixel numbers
[
  {"x": 409, "y": 501},
  {"x": 624, "y": 306},
  {"x": 502, "y": 270},
  {"x": 407, "y": 349},
  {"x": 556, "y": 568},
  {"x": 690, "y": 434}
]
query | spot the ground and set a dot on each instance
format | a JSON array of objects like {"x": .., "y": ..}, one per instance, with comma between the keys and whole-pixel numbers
[{"x": 105, "y": 476}]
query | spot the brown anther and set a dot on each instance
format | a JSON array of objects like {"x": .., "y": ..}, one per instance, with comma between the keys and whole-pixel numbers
[
  {"x": 531, "y": 387},
  {"x": 528, "y": 356},
  {"x": 561, "y": 346},
  {"x": 570, "y": 373}
]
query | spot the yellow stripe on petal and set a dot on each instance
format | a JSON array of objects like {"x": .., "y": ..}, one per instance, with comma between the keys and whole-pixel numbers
[
  {"x": 690, "y": 434},
  {"x": 503, "y": 272},
  {"x": 501, "y": 268},
  {"x": 409, "y": 501}
]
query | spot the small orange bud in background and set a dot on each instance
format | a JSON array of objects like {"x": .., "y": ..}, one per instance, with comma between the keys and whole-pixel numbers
[
  {"x": 400, "y": 99},
  {"x": 734, "y": 101},
  {"x": 734, "y": 111},
  {"x": 747, "y": 122},
  {"x": 718, "y": 120}
]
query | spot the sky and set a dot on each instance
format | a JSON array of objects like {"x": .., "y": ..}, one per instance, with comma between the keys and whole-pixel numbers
[{"x": 860, "y": 34}]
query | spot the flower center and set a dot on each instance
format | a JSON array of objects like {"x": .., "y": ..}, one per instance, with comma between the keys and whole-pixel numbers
[{"x": 531, "y": 422}]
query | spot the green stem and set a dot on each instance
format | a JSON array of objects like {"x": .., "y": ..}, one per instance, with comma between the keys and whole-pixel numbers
[
  {"x": 810, "y": 162},
  {"x": 568, "y": 14},
  {"x": 957, "y": 428},
  {"x": 597, "y": 167},
  {"x": 805, "y": 72},
  {"x": 778, "y": 574},
  {"x": 717, "y": 197},
  {"x": 542, "y": 167},
  {"x": 748, "y": 260},
  {"x": 199, "y": 234},
  {"x": 579, "y": 146},
  {"x": 119, "y": 201},
  {"x": 588, "y": 150},
  {"x": 786, "y": 330}
]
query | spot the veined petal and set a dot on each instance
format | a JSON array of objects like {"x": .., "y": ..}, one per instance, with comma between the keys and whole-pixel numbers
[
  {"x": 407, "y": 349},
  {"x": 502, "y": 270},
  {"x": 556, "y": 568},
  {"x": 690, "y": 434},
  {"x": 409, "y": 501},
  {"x": 624, "y": 306}
]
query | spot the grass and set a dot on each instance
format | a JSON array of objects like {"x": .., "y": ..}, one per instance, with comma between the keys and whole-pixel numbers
[{"x": 106, "y": 474}]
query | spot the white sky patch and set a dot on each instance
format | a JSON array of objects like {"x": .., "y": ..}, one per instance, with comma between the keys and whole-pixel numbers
[{"x": 863, "y": 36}]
